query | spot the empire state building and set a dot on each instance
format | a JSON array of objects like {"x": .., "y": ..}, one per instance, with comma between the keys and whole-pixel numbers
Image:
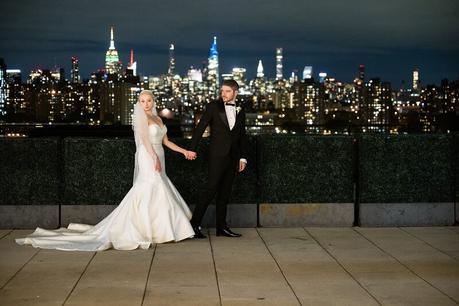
[
  {"x": 112, "y": 63},
  {"x": 212, "y": 69}
]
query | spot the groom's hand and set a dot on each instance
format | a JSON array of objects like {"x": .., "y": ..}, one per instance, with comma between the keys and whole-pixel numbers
[
  {"x": 190, "y": 155},
  {"x": 242, "y": 165}
]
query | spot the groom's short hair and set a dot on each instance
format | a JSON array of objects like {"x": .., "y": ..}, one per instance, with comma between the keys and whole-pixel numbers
[{"x": 231, "y": 83}]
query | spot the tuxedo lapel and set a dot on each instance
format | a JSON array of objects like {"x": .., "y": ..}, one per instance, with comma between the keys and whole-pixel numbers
[
  {"x": 238, "y": 116},
  {"x": 222, "y": 113}
]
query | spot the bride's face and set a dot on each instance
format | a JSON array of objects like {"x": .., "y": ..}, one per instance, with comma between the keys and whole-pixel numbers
[{"x": 146, "y": 101}]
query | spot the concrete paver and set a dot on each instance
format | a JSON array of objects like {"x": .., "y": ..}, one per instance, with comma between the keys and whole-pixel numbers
[
  {"x": 315, "y": 276},
  {"x": 47, "y": 279},
  {"x": 182, "y": 274},
  {"x": 436, "y": 268},
  {"x": 247, "y": 273},
  {"x": 12, "y": 256},
  {"x": 267, "y": 266},
  {"x": 376, "y": 270},
  {"x": 4, "y": 233},
  {"x": 440, "y": 238},
  {"x": 113, "y": 278}
]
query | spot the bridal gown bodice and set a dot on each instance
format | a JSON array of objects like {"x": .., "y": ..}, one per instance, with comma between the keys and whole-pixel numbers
[
  {"x": 156, "y": 134},
  {"x": 153, "y": 211}
]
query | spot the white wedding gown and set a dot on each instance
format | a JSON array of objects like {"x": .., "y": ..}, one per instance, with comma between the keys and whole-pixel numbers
[{"x": 153, "y": 211}]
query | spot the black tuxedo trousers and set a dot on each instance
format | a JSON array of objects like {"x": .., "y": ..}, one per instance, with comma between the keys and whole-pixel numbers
[{"x": 222, "y": 171}]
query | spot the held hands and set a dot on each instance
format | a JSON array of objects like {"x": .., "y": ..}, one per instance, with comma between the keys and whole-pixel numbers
[
  {"x": 190, "y": 155},
  {"x": 242, "y": 165}
]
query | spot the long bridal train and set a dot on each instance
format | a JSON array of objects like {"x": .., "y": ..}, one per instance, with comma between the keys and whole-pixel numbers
[{"x": 153, "y": 211}]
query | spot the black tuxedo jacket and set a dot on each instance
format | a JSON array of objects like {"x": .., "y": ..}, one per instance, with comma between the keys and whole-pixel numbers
[{"x": 223, "y": 141}]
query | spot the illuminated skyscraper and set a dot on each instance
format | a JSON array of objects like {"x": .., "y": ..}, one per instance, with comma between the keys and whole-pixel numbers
[
  {"x": 377, "y": 110},
  {"x": 416, "y": 79},
  {"x": 171, "y": 70},
  {"x": 293, "y": 77},
  {"x": 307, "y": 72},
  {"x": 322, "y": 76},
  {"x": 239, "y": 75},
  {"x": 260, "y": 73},
  {"x": 258, "y": 88},
  {"x": 362, "y": 73},
  {"x": 305, "y": 100},
  {"x": 195, "y": 74},
  {"x": 15, "y": 102},
  {"x": 212, "y": 69},
  {"x": 2, "y": 87},
  {"x": 358, "y": 99},
  {"x": 117, "y": 99},
  {"x": 279, "y": 66},
  {"x": 132, "y": 64},
  {"x": 75, "y": 71},
  {"x": 112, "y": 62}
]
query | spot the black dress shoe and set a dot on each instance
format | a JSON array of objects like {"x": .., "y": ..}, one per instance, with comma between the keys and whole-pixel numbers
[
  {"x": 227, "y": 232},
  {"x": 197, "y": 233}
]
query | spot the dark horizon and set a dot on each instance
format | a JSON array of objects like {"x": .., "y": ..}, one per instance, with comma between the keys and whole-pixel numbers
[{"x": 390, "y": 39}]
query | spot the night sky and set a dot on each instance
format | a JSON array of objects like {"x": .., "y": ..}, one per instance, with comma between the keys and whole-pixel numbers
[{"x": 390, "y": 37}]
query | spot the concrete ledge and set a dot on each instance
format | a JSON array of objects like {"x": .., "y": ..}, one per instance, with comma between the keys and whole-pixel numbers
[
  {"x": 406, "y": 214},
  {"x": 307, "y": 214},
  {"x": 86, "y": 214},
  {"x": 29, "y": 216},
  {"x": 245, "y": 215},
  {"x": 47, "y": 216},
  {"x": 238, "y": 215}
]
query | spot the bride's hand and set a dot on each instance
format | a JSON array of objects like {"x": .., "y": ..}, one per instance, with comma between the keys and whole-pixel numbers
[
  {"x": 190, "y": 155},
  {"x": 157, "y": 164}
]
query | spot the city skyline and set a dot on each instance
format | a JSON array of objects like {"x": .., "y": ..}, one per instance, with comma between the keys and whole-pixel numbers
[{"x": 31, "y": 37}]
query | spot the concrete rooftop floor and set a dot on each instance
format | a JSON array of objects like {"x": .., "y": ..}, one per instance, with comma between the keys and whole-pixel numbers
[{"x": 267, "y": 266}]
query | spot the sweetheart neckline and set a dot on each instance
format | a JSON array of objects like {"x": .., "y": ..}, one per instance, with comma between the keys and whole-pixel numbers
[{"x": 157, "y": 125}]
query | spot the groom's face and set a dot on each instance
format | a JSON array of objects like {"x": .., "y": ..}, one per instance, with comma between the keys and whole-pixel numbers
[{"x": 228, "y": 94}]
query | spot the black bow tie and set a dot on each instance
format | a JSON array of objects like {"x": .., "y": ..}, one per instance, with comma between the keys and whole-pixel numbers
[{"x": 230, "y": 104}]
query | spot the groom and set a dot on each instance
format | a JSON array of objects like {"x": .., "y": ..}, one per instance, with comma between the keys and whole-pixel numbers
[{"x": 227, "y": 152}]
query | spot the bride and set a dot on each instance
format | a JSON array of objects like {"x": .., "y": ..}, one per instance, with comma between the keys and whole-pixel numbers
[{"x": 151, "y": 212}]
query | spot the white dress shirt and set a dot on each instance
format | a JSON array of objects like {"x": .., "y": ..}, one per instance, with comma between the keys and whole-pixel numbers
[{"x": 231, "y": 116}]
